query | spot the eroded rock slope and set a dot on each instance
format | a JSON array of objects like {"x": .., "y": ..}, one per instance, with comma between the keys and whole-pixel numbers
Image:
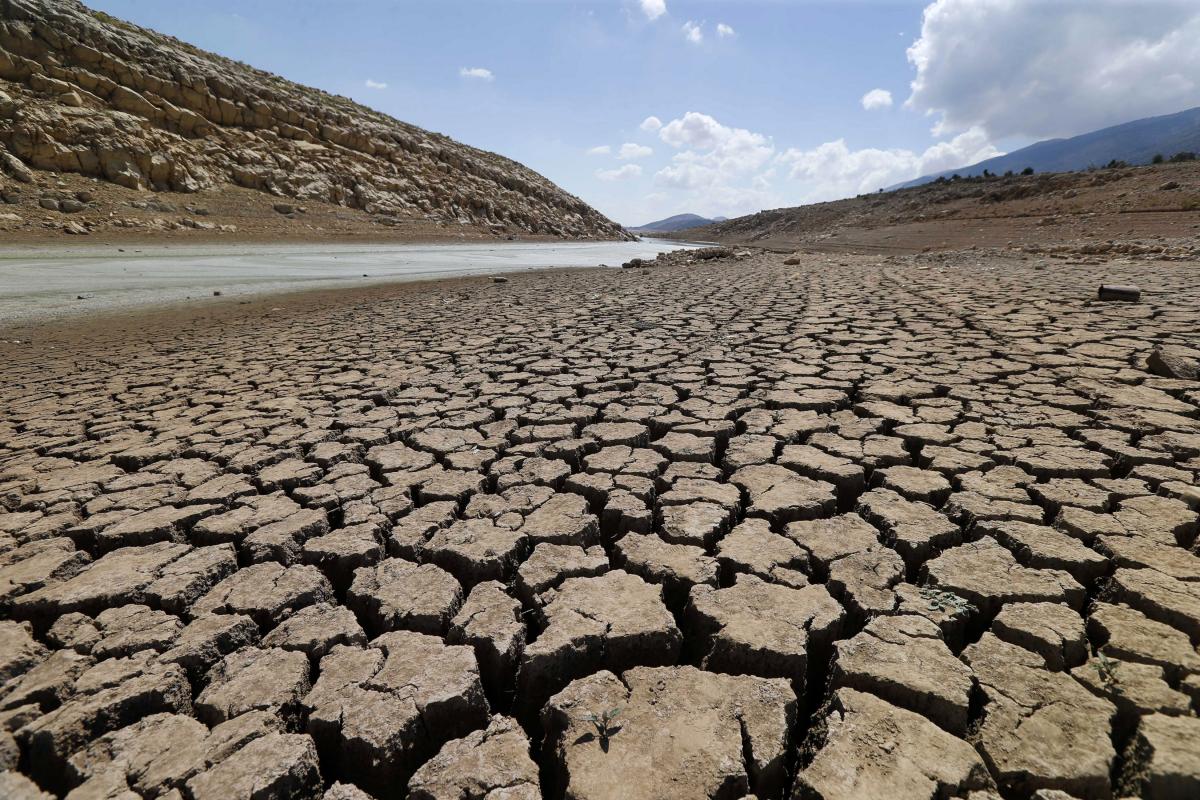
[{"x": 83, "y": 92}]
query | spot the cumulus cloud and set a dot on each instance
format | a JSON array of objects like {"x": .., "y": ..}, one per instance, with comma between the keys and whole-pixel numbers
[
  {"x": 1038, "y": 69},
  {"x": 701, "y": 132},
  {"x": 477, "y": 73},
  {"x": 653, "y": 9},
  {"x": 877, "y": 99},
  {"x": 724, "y": 31},
  {"x": 712, "y": 155},
  {"x": 722, "y": 169},
  {"x": 630, "y": 151},
  {"x": 651, "y": 124},
  {"x": 619, "y": 174},
  {"x": 693, "y": 32},
  {"x": 833, "y": 170},
  {"x": 375, "y": 84},
  {"x": 600, "y": 150}
]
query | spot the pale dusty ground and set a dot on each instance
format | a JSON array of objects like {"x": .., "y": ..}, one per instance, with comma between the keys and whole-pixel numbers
[
  {"x": 55, "y": 281},
  {"x": 849, "y": 527}
]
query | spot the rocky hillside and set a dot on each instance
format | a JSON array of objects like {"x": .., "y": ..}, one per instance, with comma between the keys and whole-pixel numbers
[
  {"x": 82, "y": 92},
  {"x": 1147, "y": 202}
]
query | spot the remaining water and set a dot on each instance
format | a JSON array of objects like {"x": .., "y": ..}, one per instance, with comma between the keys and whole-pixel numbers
[{"x": 36, "y": 283}]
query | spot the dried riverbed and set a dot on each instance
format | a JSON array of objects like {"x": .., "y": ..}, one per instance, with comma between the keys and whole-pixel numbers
[
  {"x": 44, "y": 282},
  {"x": 849, "y": 527}
]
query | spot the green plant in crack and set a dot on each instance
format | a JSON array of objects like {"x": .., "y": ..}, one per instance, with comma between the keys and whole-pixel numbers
[
  {"x": 949, "y": 602},
  {"x": 1106, "y": 668},
  {"x": 603, "y": 723}
]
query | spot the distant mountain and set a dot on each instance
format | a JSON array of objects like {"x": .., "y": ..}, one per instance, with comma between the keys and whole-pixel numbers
[
  {"x": 1134, "y": 142},
  {"x": 676, "y": 223}
]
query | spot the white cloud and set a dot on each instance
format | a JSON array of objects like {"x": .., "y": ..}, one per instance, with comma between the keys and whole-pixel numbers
[
  {"x": 370, "y": 84},
  {"x": 877, "y": 99},
  {"x": 712, "y": 156},
  {"x": 724, "y": 31},
  {"x": 619, "y": 174},
  {"x": 692, "y": 32},
  {"x": 720, "y": 169},
  {"x": 651, "y": 124},
  {"x": 631, "y": 151},
  {"x": 701, "y": 132},
  {"x": 833, "y": 170},
  {"x": 1038, "y": 69},
  {"x": 599, "y": 150},
  {"x": 478, "y": 73},
  {"x": 653, "y": 9}
]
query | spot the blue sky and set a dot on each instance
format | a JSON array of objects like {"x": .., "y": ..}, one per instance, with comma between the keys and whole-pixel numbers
[{"x": 758, "y": 104}]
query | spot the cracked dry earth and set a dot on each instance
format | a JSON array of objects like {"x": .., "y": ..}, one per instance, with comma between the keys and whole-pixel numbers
[{"x": 849, "y": 528}]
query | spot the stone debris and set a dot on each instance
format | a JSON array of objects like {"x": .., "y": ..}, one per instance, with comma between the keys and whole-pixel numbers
[
  {"x": 856, "y": 527},
  {"x": 1175, "y": 362}
]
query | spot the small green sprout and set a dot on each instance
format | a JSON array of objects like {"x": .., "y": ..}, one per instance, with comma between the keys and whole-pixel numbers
[
  {"x": 602, "y": 722},
  {"x": 946, "y": 601},
  {"x": 1106, "y": 668}
]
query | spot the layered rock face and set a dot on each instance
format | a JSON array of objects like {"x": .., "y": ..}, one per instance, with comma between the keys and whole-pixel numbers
[{"x": 86, "y": 93}]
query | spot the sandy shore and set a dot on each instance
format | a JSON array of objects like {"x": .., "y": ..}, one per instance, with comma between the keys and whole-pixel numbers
[{"x": 784, "y": 506}]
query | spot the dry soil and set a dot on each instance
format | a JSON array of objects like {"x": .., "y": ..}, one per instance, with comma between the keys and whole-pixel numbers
[{"x": 845, "y": 527}]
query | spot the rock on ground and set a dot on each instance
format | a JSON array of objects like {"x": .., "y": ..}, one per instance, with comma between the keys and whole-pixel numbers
[
  {"x": 869, "y": 748},
  {"x": 681, "y": 733},
  {"x": 490, "y": 764},
  {"x": 614, "y": 621},
  {"x": 378, "y": 712},
  {"x": 1041, "y": 729}
]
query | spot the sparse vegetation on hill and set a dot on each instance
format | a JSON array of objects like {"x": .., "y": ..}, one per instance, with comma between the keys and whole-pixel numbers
[{"x": 979, "y": 210}]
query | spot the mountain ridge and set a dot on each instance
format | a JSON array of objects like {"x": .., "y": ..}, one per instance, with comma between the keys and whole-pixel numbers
[
  {"x": 674, "y": 223},
  {"x": 1133, "y": 142}
]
